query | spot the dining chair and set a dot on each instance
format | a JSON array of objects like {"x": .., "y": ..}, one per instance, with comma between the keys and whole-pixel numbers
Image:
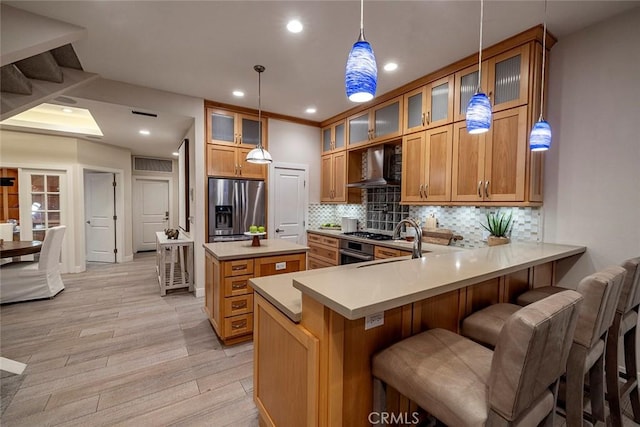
[
  {"x": 23, "y": 281},
  {"x": 601, "y": 292},
  {"x": 463, "y": 383}
]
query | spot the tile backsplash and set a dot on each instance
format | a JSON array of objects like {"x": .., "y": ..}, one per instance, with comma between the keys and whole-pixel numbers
[{"x": 376, "y": 215}]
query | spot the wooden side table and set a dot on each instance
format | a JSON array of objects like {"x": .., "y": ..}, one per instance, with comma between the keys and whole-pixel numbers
[{"x": 174, "y": 262}]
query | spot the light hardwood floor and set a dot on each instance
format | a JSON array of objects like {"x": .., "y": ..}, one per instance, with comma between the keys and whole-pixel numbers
[{"x": 109, "y": 350}]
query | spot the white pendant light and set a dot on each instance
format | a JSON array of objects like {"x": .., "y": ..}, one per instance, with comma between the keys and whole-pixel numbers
[
  {"x": 259, "y": 155},
  {"x": 540, "y": 137},
  {"x": 361, "y": 76},
  {"x": 479, "y": 108}
]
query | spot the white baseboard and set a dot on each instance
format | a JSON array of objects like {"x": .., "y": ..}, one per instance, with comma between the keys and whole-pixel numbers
[
  {"x": 199, "y": 292},
  {"x": 127, "y": 258}
]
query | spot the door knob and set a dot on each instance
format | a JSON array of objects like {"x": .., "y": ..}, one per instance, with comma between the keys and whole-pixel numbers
[
  {"x": 279, "y": 231},
  {"x": 89, "y": 222}
]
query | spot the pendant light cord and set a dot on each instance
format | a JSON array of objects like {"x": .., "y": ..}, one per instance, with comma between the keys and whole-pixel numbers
[
  {"x": 361, "y": 37},
  {"x": 259, "y": 110},
  {"x": 544, "y": 54},
  {"x": 480, "y": 49}
]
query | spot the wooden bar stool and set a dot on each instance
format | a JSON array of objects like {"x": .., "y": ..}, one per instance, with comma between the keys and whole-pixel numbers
[
  {"x": 601, "y": 292},
  {"x": 463, "y": 383},
  {"x": 625, "y": 325}
]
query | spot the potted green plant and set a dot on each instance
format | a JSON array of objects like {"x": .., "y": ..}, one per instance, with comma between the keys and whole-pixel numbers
[{"x": 499, "y": 226}]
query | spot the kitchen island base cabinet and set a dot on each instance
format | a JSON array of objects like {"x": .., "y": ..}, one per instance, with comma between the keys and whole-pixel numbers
[
  {"x": 229, "y": 298},
  {"x": 286, "y": 355}
]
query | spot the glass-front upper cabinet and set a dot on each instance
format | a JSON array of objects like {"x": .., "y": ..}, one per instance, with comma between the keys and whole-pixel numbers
[
  {"x": 380, "y": 123},
  {"x": 429, "y": 106},
  {"x": 509, "y": 78},
  {"x": 505, "y": 80},
  {"x": 334, "y": 137},
  {"x": 229, "y": 128}
]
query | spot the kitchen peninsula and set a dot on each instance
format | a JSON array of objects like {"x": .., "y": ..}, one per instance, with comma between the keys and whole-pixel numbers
[
  {"x": 327, "y": 323},
  {"x": 228, "y": 268}
]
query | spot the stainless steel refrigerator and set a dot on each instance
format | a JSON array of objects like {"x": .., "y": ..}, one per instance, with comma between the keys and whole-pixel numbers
[{"x": 234, "y": 205}]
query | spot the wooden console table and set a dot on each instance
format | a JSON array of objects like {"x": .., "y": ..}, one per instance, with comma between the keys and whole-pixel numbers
[{"x": 174, "y": 262}]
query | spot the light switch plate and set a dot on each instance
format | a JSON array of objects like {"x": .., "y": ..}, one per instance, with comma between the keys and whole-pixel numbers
[
  {"x": 374, "y": 320},
  {"x": 281, "y": 265}
]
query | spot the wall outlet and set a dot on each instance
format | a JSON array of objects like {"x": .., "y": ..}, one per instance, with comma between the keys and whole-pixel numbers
[
  {"x": 281, "y": 265},
  {"x": 374, "y": 320},
  {"x": 485, "y": 235}
]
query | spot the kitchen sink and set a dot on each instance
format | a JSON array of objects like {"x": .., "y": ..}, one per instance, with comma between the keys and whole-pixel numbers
[{"x": 384, "y": 262}]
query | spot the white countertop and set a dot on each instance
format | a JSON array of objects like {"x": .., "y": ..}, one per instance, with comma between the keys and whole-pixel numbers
[
  {"x": 243, "y": 249},
  {"x": 164, "y": 240},
  {"x": 396, "y": 244},
  {"x": 362, "y": 291}
]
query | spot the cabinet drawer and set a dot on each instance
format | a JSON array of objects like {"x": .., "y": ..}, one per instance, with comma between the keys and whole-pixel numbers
[
  {"x": 238, "y": 325},
  {"x": 238, "y": 285},
  {"x": 382, "y": 252},
  {"x": 323, "y": 240},
  {"x": 315, "y": 263},
  {"x": 280, "y": 264},
  {"x": 234, "y": 306},
  {"x": 324, "y": 253},
  {"x": 238, "y": 267}
]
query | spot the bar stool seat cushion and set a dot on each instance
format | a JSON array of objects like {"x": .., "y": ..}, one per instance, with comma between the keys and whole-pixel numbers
[
  {"x": 485, "y": 325},
  {"x": 537, "y": 294},
  {"x": 438, "y": 368}
]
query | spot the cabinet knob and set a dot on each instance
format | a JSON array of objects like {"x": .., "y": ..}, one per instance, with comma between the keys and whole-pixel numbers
[
  {"x": 423, "y": 119},
  {"x": 420, "y": 190},
  {"x": 428, "y": 117},
  {"x": 426, "y": 191},
  {"x": 486, "y": 189},
  {"x": 480, "y": 189}
]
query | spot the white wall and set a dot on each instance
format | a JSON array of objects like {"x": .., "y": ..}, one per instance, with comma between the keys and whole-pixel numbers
[
  {"x": 592, "y": 175},
  {"x": 295, "y": 143}
]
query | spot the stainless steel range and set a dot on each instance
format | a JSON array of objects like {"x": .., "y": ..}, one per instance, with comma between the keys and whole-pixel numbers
[{"x": 352, "y": 251}]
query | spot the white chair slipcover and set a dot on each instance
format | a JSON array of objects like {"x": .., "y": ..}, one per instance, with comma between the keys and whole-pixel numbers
[{"x": 23, "y": 281}]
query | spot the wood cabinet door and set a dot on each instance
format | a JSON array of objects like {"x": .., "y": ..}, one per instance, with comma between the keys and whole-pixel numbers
[
  {"x": 221, "y": 127},
  {"x": 221, "y": 160},
  {"x": 387, "y": 120},
  {"x": 326, "y": 187},
  {"x": 438, "y": 149},
  {"x": 415, "y": 105},
  {"x": 340, "y": 176},
  {"x": 247, "y": 169},
  {"x": 504, "y": 174},
  {"x": 249, "y": 130},
  {"x": 359, "y": 129},
  {"x": 508, "y": 79},
  {"x": 334, "y": 137},
  {"x": 466, "y": 84},
  {"x": 467, "y": 165},
  {"x": 439, "y": 102},
  {"x": 413, "y": 165}
]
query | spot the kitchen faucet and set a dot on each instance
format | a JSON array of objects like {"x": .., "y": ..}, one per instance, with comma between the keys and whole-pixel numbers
[{"x": 417, "y": 242}]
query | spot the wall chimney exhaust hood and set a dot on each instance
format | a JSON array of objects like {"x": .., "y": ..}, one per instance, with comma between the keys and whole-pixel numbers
[{"x": 380, "y": 160}]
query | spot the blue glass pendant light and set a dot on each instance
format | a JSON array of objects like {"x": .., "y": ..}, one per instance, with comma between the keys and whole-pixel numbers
[
  {"x": 540, "y": 137},
  {"x": 361, "y": 76},
  {"x": 479, "y": 108},
  {"x": 259, "y": 155}
]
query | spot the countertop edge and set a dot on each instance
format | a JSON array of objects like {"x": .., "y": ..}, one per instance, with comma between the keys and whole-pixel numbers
[
  {"x": 294, "y": 317},
  {"x": 272, "y": 252},
  {"x": 353, "y": 314}
]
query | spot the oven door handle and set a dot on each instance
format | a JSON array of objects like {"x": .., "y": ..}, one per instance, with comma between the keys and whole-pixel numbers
[{"x": 357, "y": 255}]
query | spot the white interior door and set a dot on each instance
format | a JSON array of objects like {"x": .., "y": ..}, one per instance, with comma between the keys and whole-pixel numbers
[
  {"x": 289, "y": 197},
  {"x": 151, "y": 207},
  {"x": 99, "y": 212}
]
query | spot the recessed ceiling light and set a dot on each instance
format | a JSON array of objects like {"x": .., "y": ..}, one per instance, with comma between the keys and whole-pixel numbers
[
  {"x": 294, "y": 26},
  {"x": 311, "y": 110},
  {"x": 144, "y": 132},
  {"x": 390, "y": 66},
  {"x": 238, "y": 93},
  {"x": 67, "y": 110},
  {"x": 175, "y": 153}
]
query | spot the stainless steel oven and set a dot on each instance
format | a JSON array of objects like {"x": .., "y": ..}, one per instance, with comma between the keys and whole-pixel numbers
[{"x": 352, "y": 252}]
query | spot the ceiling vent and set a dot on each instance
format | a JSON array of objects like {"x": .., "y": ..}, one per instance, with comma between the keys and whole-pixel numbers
[{"x": 147, "y": 164}]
